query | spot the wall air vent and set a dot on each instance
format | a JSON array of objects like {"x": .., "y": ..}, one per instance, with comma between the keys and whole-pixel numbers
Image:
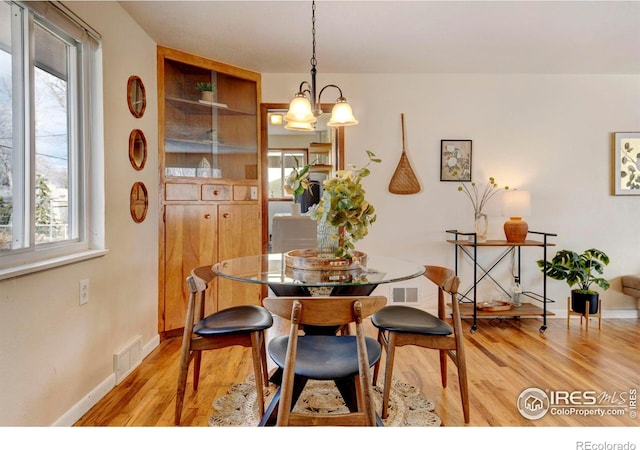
[{"x": 404, "y": 295}]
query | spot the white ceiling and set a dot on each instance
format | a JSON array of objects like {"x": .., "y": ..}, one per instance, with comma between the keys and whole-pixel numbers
[{"x": 403, "y": 36}]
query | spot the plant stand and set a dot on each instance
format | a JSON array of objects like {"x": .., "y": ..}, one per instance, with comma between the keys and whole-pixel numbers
[{"x": 586, "y": 314}]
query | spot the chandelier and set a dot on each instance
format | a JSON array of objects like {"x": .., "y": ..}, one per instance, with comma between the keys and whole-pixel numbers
[{"x": 305, "y": 107}]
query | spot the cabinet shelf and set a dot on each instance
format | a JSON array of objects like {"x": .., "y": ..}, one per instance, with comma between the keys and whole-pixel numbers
[
  {"x": 324, "y": 168},
  {"x": 179, "y": 145},
  {"x": 200, "y": 106}
]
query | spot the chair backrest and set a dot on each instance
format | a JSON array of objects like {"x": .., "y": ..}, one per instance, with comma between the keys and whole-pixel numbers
[
  {"x": 198, "y": 282},
  {"x": 324, "y": 311},
  {"x": 448, "y": 282}
]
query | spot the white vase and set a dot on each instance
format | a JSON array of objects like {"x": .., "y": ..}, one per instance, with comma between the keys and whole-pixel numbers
[
  {"x": 295, "y": 209},
  {"x": 481, "y": 227}
]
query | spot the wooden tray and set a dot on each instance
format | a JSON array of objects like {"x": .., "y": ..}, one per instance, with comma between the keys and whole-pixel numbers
[
  {"x": 308, "y": 259},
  {"x": 494, "y": 306}
]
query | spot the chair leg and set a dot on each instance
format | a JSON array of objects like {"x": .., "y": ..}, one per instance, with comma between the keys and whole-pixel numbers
[
  {"x": 376, "y": 367},
  {"x": 388, "y": 371},
  {"x": 461, "y": 364},
  {"x": 182, "y": 384},
  {"x": 257, "y": 369},
  {"x": 443, "y": 367},
  {"x": 197, "y": 357},
  {"x": 263, "y": 359}
]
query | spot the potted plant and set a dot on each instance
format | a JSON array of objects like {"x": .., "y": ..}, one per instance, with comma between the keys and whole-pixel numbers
[
  {"x": 580, "y": 270},
  {"x": 296, "y": 183},
  {"x": 206, "y": 90},
  {"x": 343, "y": 206}
]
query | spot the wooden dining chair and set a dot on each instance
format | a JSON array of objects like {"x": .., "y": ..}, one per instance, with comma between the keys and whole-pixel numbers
[
  {"x": 242, "y": 325},
  {"x": 346, "y": 359},
  {"x": 403, "y": 325}
]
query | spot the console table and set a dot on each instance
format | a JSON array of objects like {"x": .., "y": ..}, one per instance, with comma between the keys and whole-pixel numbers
[{"x": 467, "y": 244}]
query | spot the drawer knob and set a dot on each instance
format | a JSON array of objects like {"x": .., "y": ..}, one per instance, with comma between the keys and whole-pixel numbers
[
  {"x": 216, "y": 192},
  {"x": 226, "y": 215},
  {"x": 207, "y": 216}
]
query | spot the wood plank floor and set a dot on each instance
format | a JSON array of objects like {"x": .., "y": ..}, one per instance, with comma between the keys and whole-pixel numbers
[{"x": 504, "y": 357}]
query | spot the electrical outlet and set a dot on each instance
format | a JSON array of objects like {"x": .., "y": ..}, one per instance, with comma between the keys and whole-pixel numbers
[
  {"x": 254, "y": 193},
  {"x": 84, "y": 292}
]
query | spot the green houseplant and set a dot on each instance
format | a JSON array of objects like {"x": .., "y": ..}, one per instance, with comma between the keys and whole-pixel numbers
[
  {"x": 206, "y": 90},
  {"x": 344, "y": 207},
  {"x": 579, "y": 270}
]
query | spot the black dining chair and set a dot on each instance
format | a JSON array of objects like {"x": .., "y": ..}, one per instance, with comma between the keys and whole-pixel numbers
[
  {"x": 345, "y": 359},
  {"x": 403, "y": 325},
  {"x": 242, "y": 325}
]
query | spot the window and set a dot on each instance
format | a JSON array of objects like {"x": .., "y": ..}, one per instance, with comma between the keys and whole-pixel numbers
[
  {"x": 280, "y": 164},
  {"x": 49, "y": 86}
]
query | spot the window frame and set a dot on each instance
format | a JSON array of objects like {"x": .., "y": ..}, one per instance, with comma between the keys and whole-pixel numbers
[
  {"x": 85, "y": 140},
  {"x": 283, "y": 173}
]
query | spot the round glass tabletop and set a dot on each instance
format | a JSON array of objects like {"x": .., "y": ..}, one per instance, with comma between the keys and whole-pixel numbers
[{"x": 271, "y": 269}]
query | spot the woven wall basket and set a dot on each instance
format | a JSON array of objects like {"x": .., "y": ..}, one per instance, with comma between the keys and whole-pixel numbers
[{"x": 404, "y": 180}]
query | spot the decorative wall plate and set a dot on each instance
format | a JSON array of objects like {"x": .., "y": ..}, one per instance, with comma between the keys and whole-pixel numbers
[
  {"x": 136, "y": 96},
  {"x": 138, "y": 201}
]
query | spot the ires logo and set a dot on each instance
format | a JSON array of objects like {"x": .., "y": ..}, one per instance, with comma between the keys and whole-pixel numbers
[
  {"x": 534, "y": 403},
  {"x": 573, "y": 398}
]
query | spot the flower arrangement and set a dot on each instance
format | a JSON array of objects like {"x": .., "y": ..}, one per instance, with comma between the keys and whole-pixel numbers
[
  {"x": 343, "y": 206},
  {"x": 479, "y": 198},
  {"x": 298, "y": 179}
]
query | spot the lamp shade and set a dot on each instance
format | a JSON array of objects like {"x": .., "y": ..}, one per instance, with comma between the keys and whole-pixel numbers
[
  {"x": 300, "y": 110},
  {"x": 342, "y": 114},
  {"x": 298, "y": 126},
  {"x": 516, "y": 204}
]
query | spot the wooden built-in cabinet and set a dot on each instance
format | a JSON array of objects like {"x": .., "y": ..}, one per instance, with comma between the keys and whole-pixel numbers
[{"x": 210, "y": 172}]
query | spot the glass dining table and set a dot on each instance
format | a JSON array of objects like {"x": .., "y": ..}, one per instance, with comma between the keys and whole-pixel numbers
[
  {"x": 272, "y": 270},
  {"x": 284, "y": 280}
]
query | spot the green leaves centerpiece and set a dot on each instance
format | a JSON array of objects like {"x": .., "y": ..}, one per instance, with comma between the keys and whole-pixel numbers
[{"x": 344, "y": 206}]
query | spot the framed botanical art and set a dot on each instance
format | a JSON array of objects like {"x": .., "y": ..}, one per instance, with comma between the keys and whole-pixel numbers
[
  {"x": 626, "y": 163},
  {"x": 455, "y": 160}
]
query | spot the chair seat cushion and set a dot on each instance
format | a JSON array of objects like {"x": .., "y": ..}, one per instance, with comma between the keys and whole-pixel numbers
[
  {"x": 404, "y": 319},
  {"x": 245, "y": 318},
  {"x": 324, "y": 357}
]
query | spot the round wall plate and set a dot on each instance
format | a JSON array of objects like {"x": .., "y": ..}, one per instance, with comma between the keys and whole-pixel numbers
[{"x": 138, "y": 201}]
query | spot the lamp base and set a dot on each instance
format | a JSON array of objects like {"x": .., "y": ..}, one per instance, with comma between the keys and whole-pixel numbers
[{"x": 516, "y": 229}]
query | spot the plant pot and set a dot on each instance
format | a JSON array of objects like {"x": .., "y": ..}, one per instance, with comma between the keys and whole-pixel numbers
[
  {"x": 207, "y": 96},
  {"x": 579, "y": 302}
]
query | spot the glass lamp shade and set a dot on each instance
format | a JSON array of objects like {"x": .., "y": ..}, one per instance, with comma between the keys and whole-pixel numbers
[
  {"x": 341, "y": 114},
  {"x": 516, "y": 204},
  {"x": 300, "y": 110},
  {"x": 298, "y": 126}
]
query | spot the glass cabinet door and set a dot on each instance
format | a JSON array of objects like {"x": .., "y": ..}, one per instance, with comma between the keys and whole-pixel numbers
[{"x": 210, "y": 123}]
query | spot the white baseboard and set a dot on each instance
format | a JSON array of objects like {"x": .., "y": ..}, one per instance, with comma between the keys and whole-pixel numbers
[{"x": 97, "y": 393}]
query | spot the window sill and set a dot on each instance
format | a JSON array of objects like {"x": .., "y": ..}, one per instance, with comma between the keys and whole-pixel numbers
[{"x": 38, "y": 266}]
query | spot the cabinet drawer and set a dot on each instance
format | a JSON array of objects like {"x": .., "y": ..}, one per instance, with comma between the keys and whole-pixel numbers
[
  {"x": 181, "y": 191},
  {"x": 216, "y": 192},
  {"x": 245, "y": 192}
]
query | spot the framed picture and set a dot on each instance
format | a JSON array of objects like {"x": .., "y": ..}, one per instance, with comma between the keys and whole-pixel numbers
[
  {"x": 455, "y": 160},
  {"x": 626, "y": 164}
]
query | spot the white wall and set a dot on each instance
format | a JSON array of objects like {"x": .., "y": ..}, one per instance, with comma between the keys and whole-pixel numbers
[
  {"x": 56, "y": 355},
  {"x": 549, "y": 134}
]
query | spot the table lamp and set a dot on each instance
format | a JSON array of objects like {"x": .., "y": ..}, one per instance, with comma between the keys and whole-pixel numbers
[{"x": 516, "y": 204}]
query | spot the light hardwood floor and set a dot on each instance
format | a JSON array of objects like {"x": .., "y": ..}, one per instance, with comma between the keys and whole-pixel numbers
[{"x": 503, "y": 358}]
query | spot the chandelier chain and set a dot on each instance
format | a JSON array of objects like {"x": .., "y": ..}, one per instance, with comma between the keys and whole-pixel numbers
[{"x": 313, "y": 32}]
